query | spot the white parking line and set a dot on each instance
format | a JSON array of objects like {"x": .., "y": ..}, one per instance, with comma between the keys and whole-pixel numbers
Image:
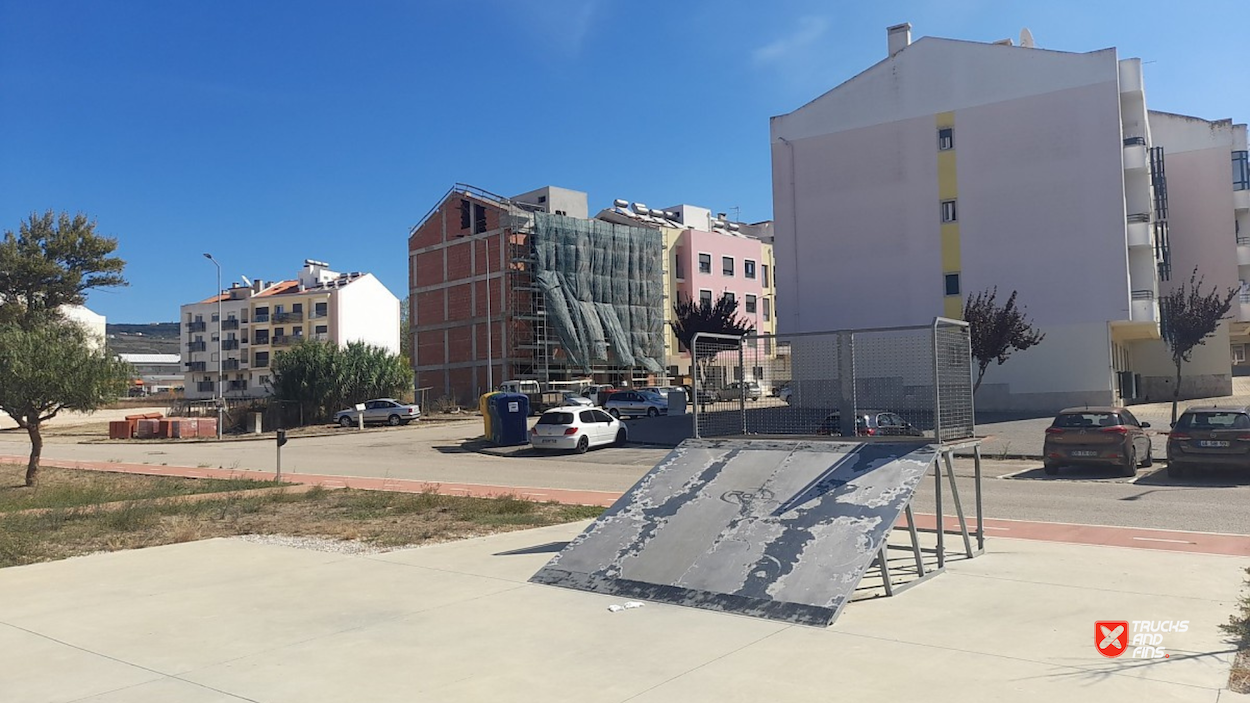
[{"x": 1158, "y": 539}]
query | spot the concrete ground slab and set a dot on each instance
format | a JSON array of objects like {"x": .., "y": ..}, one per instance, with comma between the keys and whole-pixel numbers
[{"x": 226, "y": 619}]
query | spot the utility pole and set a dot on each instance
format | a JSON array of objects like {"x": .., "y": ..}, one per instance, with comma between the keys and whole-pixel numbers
[
  {"x": 490, "y": 346},
  {"x": 221, "y": 401}
]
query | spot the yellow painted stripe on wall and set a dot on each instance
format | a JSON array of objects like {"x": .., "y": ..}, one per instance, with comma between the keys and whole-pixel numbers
[
  {"x": 953, "y": 307},
  {"x": 948, "y": 189}
]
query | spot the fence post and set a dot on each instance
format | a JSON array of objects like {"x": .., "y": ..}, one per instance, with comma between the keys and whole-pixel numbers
[
  {"x": 742, "y": 383},
  {"x": 937, "y": 388},
  {"x": 697, "y": 385},
  {"x": 847, "y": 410}
]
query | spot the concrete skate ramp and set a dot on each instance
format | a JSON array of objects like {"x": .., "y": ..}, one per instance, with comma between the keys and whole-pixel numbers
[{"x": 782, "y": 530}]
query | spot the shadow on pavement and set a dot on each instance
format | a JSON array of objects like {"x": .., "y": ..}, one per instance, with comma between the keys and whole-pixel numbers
[
  {"x": 548, "y": 548},
  {"x": 1069, "y": 474},
  {"x": 1197, "y": 478}
]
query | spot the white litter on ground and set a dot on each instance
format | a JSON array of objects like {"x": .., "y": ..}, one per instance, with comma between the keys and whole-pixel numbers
[{"x": 319, "y": 544}]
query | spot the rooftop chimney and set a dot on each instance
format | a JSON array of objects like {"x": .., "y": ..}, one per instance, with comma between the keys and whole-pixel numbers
[{"x": 899, "y": 37}]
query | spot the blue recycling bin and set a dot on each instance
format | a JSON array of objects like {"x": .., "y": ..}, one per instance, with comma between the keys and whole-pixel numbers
[{"x": 509, "y": 419}]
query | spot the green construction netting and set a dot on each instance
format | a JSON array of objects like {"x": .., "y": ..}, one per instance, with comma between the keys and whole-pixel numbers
[{"x": 603, "y": 286}]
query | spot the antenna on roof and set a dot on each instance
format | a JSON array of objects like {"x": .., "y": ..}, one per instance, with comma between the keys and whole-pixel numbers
[
  {"x": 246, "y": 281},
  {"x": 1026, "y": 39}
]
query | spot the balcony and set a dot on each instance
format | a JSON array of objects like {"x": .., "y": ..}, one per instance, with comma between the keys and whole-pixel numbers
[
  {"x": 285, "y": 340},
  {"x": 260, "y": 340},
  {"x": 320, "y": 337},
  {"x": 1144, "y": 308},
  {"x": 1241, "y": 199},
  {"x": 318, "y": 314},
  {"x": 1244, "y": 310},
  {"x": 1139, "y": 230},
  {"x": 261, "y": 318},
  {"x": 237, "y": 386},
  {"x": 229, "y": 344},
  {"x": 284, "y": 317},
  {"x": 230, "y": 365},
  {"x": 231, "y": 323},
  {"x": 197, "y": 326},
  {"x": 205, "y": 386},
  {"x": 199, "y": 366},
  {"x": 1135, "y": 154},
  {"x": 197, "y": 346}
]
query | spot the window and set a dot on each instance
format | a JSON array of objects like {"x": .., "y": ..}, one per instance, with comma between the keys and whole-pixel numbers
[
  {"x": 214, "y": 318},
  {"x": 1241, "y": 170},
  {"x": 768, "y": 310},
  {"x": 601, "y": 416},
  {"x": 750, "y": 303},
  {"x": 677, "y": 265},
  {"x": 768, "y": 344},
  {"x": 262, "y": 360},
  {"x": 764, "y": 275},
  {"x": 705, "y": 263},
  {"x": 948, "y": 211},
  {"x": 262, "y": 336},
  {"x": 728, "y": 296},
  {"x": 466, "y": 217},
  {"x": 1239, "y": 353},
  {"x": 705, "y": 296},
  {"x": 322, "y": 329},
  {"x": 479, "y": 218},
  {"x": 946, "y": 139},
  {"x": 727, "y": 265},
  {"x": 319, "y": 310},
  {"x": 297, "y": 308},
  {"x": 952, "y": 284},
  {"x": 748, "y": 268},
  {"x": 279, "y": 331}
]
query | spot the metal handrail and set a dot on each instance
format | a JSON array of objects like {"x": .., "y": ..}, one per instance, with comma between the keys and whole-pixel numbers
[
  {"x": 1139, "y": 217},
  {"x": 1143, "y": 295},
  {"x": 1132, "y": 141}
]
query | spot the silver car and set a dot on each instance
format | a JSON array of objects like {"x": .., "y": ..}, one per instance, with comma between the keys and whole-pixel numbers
[
  {"x": 380, "y": 410},
  {"x": 636, "y": 404}
]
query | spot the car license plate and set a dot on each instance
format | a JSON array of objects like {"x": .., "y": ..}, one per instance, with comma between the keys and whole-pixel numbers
[
  {"x": 545, "y": 440},
  {"x": 1083, "y": 452},
  {"x": 1212, "y": 443}
]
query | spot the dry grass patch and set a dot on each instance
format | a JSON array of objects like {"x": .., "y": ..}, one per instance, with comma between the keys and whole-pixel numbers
[
  {"x": 71, "y": 488},
  {"x": 377, "y": 518}
]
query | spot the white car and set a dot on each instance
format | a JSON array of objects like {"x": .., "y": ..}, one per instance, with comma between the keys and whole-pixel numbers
[
  {"x": 577, "y": 428},
  {"x": 571, "y": 399}
]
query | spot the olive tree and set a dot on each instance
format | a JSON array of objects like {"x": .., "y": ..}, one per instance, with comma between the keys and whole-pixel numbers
[
  {"x": 50, "y": 367},
  {"x": 323, "y": 378}
]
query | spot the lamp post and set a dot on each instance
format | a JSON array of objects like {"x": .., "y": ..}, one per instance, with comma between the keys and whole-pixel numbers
[{"x": 221, "y": 402}]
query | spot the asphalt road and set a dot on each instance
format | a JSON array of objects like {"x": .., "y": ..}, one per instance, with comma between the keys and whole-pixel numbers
[{"x": 1214, "y": 502}]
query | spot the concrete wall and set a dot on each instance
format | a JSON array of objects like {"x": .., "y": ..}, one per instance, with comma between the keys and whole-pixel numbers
[{"x": 365, "y": 311}]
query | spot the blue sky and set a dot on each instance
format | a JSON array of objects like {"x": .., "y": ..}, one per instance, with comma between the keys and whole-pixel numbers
[{"x": 271, "y": 132}]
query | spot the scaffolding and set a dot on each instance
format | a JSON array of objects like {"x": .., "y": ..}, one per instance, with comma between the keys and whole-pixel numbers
[{"x": 587, "y": 298}]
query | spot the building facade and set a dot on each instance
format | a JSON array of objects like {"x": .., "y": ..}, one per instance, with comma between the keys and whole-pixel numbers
[
  {"x": 954, "y": 167},
  {"x": 530, "y": 288},
  {"x": 707, "y": 257},
  {"x": 259, "y": 320},
  {"x": 154, "y": 373}
]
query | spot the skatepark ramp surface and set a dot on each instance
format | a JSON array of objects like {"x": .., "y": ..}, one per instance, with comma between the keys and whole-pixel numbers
[{"x": 783, "y": 530}]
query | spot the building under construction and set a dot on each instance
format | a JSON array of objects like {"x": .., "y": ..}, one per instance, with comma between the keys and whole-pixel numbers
[{"x": 531, "y": 288}]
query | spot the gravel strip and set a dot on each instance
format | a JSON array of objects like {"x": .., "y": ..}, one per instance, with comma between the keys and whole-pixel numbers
[{"x": 318, "y": 544}]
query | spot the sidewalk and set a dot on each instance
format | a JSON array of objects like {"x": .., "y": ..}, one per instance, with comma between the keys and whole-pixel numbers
[{"x": 229, "y": 621}]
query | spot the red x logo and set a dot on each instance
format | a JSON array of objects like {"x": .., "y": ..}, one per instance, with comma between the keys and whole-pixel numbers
[{"x": 1111, "y": 637}]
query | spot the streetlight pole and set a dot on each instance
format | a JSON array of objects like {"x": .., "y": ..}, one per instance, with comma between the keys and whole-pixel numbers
[{"x": 221, "y": 401}]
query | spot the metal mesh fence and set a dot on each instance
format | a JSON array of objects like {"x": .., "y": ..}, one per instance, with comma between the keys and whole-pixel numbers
[{"x": 908, "y": 382}]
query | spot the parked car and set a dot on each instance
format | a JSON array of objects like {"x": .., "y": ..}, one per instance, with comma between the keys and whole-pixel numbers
[
  {"x": 578, "y": 428},
  {"x": 870, "y": 424},
  {"x": 387, "y": 410},
  {"x": 1216, "y": 436},
  {"x": 1097, "y": 436},
  {"x": 635, "y": 404},
  {"x": 663, "y": 390},
  {"x": 594, "y": 391},
  {"x": 737, "y": 389},
  {"x": 785, "y": 393},
  {"x": 571, "y": 399},
  {"x": 776, "y": 390}
]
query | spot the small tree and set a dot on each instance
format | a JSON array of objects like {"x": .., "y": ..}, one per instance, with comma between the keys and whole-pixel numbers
[
  {"x": 996, "y": 330},
  {"x": 1189, "y": 316},
  {"x": 52, "y": 261},
  {"x": 51, "y": 367},
  {"x": 691, "y": 317},
  {"x": 323, "y": 378}
]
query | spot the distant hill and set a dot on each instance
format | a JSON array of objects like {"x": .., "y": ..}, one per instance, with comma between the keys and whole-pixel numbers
[{"x": 149, "y": 338}]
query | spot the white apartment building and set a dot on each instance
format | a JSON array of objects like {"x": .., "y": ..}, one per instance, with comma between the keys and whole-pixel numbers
[
  {"x": 259, "y": 320},
  {"x": 93, "y": 323},
  {"x": 951, "y": 167}
]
